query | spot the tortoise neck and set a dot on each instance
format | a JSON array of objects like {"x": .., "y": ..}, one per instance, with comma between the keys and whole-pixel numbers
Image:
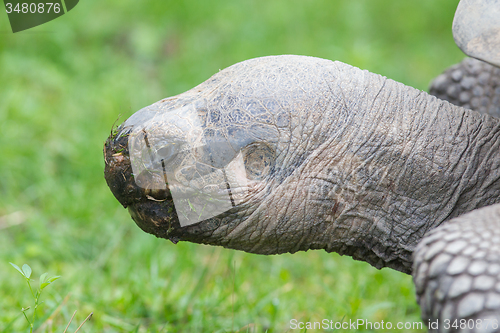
[{"x": 409, "y": 163}]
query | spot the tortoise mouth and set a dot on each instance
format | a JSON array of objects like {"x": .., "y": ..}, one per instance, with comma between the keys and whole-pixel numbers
[{"x": 152, "y": 209}]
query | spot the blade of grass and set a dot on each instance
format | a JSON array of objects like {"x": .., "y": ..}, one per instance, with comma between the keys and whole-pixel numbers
[
  {"x": 86, "y": 319},
  {"x": 69, "y": 323}
]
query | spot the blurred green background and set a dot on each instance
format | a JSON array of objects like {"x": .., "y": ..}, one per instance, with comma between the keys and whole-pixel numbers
[{"x": 65, "y": 83}]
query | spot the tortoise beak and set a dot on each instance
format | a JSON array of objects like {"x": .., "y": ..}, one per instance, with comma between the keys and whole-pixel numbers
[{"x": 151, "y": 209}]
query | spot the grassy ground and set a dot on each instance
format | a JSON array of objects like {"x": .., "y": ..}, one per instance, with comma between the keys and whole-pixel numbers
[{"x": 63, "y": 84}]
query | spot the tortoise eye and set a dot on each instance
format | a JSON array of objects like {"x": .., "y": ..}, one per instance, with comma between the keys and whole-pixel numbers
[{"x": 259, "y": 160}]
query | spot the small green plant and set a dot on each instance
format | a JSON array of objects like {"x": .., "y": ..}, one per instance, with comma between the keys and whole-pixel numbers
[{"x": 45, "y": 280}]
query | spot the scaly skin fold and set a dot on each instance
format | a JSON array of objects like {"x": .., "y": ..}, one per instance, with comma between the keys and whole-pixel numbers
[
  {"x": 365, "y": 166},
  {"x": 457, "y": 273}
]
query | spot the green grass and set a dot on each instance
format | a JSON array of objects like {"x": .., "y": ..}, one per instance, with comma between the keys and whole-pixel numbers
[{"x": 64, "y": 84}]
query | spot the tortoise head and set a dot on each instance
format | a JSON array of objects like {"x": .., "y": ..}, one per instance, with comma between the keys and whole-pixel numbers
[
  {"x": 476, "y": 29},
  {"x": 182, "y": 161}
]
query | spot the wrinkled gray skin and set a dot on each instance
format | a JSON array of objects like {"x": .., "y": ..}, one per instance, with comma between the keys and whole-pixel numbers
[{"x": 363, "y": 166}]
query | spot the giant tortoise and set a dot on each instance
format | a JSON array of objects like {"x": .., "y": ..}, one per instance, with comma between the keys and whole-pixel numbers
[{"x": 290, "y": 153}]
